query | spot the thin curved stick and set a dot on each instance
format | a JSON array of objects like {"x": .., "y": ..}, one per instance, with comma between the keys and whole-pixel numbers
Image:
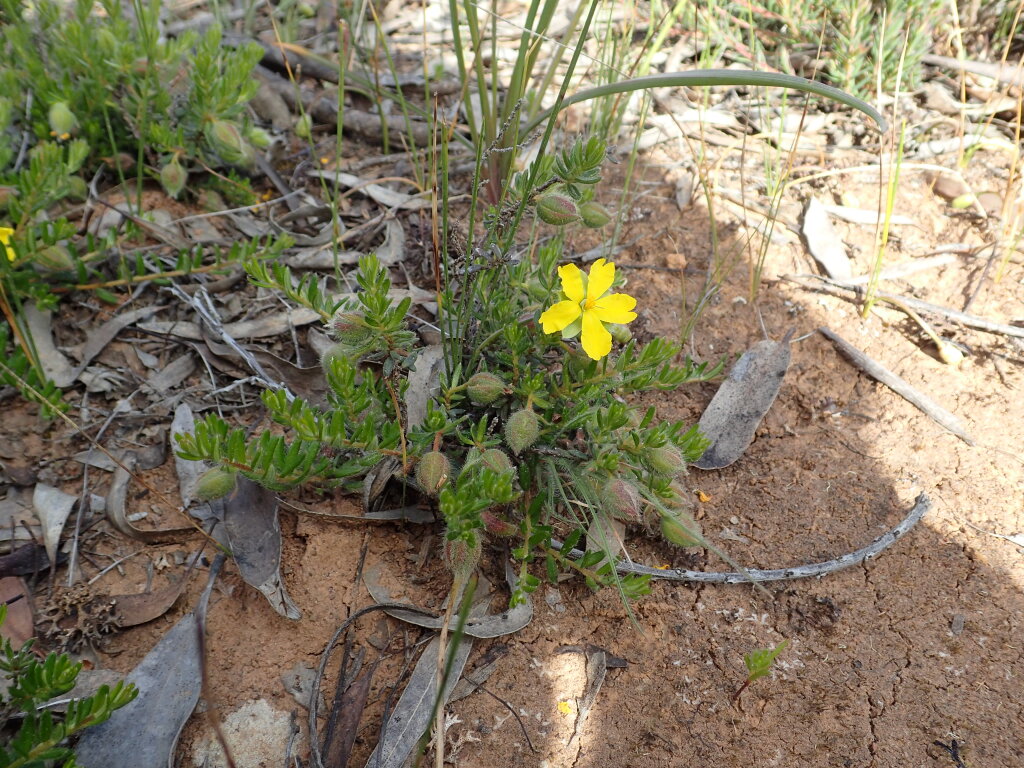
[
  {"x": 754, "y": 575},
  {"x": 706, "y": 77}
]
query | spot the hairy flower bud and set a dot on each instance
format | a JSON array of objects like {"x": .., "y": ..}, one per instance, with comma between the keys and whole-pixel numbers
[
  {"x": 54, "y": 258},
  {"x": 62, "y": 120},
  {"x": 496, "y": 460},
  {"x": 215, "y": 484},
  {"x": 666, "y": 461},
  {"x": 350, "y": 328},
  {"x": 173, "y": 177},
  {"x": 226, "y": 140},
  {"x": 484, "y": 388},
  {"x": 620, "y": 333},
  {"x": 496, "y": 525},
  {"x": 522, "y": 430},
  {"x": 432, "y": 472},
  {"x": 594, "y": 215},
  {"x": 461, "y": 557},
  {"x": 557, "y": 209},
  {"x": 674, "y": 530},
  {"x": 622, "y": 500}
]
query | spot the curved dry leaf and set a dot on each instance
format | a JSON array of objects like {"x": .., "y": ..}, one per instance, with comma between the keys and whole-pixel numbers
[
  {"x": 824, "y": 242},
  {"x": 424, "y": 384},
  {"x": 377, "y": 479},
  {"x": 169, "y": 680},
  {"x": 254, "y": 538},
  {"x": 52, "y": 507},
  {"x": 55, "y": 364},
  {"x": 745, "y": 396},
  {"x": 146, "y": 606},
  {"x": 411, "y": 717},
  {"x": 184, "y": 423},
  {"x": 116, "y": 513},
  {"x": 495, "y": 625},
  {"x": 97, "y": 339}
]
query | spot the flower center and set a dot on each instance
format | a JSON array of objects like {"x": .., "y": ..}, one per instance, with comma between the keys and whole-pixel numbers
[{"x": 589, "y": 303}]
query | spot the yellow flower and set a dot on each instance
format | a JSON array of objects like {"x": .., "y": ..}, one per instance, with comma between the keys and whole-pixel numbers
[
  {"x": 588, "y": 306},
  {"x": 5, "y": 241}
]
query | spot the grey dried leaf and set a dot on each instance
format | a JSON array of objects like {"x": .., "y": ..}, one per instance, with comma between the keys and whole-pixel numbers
[
  {"x": 424, "y": 384},
  {"x": 411, "y": 716},
  {"x": 52, "y": 507},
  {"x": 736, "y": 410},
  {"x": 824, "y": 242},
  {"x": 169, "y": 682},
  {"x": 56, "y": 366},
  {"x": 254, "y": 538},
  {"x": 496, "y": 625}
]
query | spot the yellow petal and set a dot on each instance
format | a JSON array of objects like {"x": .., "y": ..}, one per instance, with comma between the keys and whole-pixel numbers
[
  {"x": 559, "y": 315},
  {"x": 615, "y": 308},
  {"x": 597, "y": 342},
  {"x": 572, "y": 282},
  {"x": 602, "y": 274}
]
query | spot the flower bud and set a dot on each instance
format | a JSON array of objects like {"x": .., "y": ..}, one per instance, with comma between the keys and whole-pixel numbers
[
  {"x": 54, "y": 258},
  {"x": 496, "y": 460},
  {"x": 674, "y": 530},
  {"x": 461, "y": 557},
  {"x": 350, "y": 328},
  {"x": 304, "y": 126},
  {"x": 666, "y": 461},
  {"x": 432, "y": 472},
  {"x": 522, "y": 430},
  {"x": 594, "y": 215},
  {"x": 620, "y": 333},
  {"x": 622, "y": 500},
  {"x": 496, "y": 525},
  {"x": 62, "y": 120},
  {"x": 215, "y": 484},
  {"x": 258, "y": 137},
  {"x": 226, "y": 140},
  {"x": 173, "y": 177},
  {"x": 557, "y": 209},
  {"x": 484, "y": 388},
  {"x": 77, "y": 188}
]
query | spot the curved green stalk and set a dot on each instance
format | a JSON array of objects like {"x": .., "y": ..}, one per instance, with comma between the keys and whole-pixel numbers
[{"x": 706, "y": 77}]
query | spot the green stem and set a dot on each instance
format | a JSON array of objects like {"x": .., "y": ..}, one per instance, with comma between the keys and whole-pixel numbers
[{"x": 709, "y": 77}]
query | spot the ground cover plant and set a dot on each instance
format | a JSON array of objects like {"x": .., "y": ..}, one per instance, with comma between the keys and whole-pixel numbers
[
  {"x": 41, "y": 734},
  {"x": 91, "y": 96}
]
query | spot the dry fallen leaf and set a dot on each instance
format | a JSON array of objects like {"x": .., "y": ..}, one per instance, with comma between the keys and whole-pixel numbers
[
  {"x": 145, "y": 732},
  {"x": 823, "y": 241},
  {"x": 52, "y": 508},
  {"x": 254, "y": 538},
  {"x": 745, "y": 396}
]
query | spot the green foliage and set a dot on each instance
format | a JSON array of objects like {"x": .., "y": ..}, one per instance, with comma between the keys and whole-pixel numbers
[
  {"x": 759, "y": 662},
  {"x": 858, "y": 38},
  {"x": 41, "y": 737},
  {"x": 88, "y": 89},
  {"x": 525, "y": 431},
  {"x": 110, "y": 84}
]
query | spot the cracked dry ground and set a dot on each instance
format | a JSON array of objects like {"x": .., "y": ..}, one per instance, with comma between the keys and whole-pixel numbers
[{"x": 919, "y": 645}]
